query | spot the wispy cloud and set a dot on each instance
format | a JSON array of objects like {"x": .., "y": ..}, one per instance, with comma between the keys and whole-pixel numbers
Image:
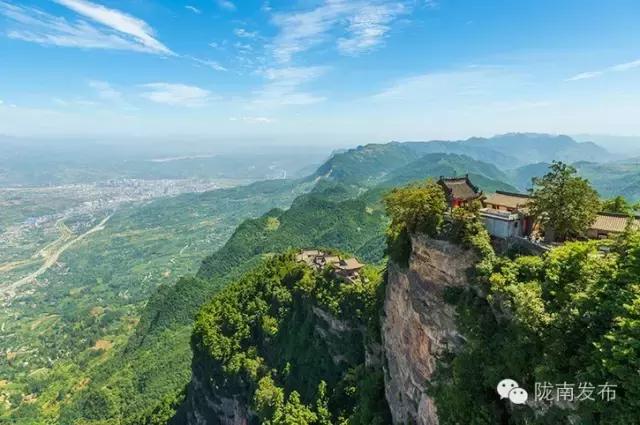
[
  {"x": 216, "y": 66},
  {"x": 193, "y": 9},
  {"x": 176, "y": 94},
  {"x": 364, "y": 23},
  {"x": 368, "y": 27},
  {"x": 226, "y": 5},
  {"x": 284, "y": 86},
  {"x": 615, "y": 68},
  {"x": 74, "y": 102},
  {"x": 105, "y": 90},
  {"x": 475, "y": 84},
  {"x": 432, "y": 4},
  {"x": 136, "y": 28},
  {"x": 252, "y": 120},
  {"x": 243, "y": 33},
  {"x": 108, "y": 28}
]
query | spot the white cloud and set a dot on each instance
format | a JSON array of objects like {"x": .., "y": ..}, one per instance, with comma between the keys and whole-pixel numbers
[
  {"x": 283, "y": 86},
  {"x": 105, "y": 90},
  {"x": 479, "y": 84},
  {"x": 116, "y": 30},
  {"x": 118, "y": 21},
  {"x": 74, "y": 102},
  {"x": 216, "y": 66},
  {"x": 368, "y": 27},
  {"x": 365, "y": 23},
  {"x": 252, "y": 120},
  {"x": 176, "y": 94},
  {"x": 432, "y": 4},
  {"x": 615, "y": 68},
  {"x": 226, "y": 5},
  {"x": 243, "y": 33},
  {"x": 193, "y": 9}
]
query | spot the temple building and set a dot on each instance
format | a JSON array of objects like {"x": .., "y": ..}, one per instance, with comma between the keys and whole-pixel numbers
[
  {"x": 609, "y": 224},
  {"x": 459, "y": 191},
  {"x": 347, "y": 269},
  {"x": 506, "y": 215}
]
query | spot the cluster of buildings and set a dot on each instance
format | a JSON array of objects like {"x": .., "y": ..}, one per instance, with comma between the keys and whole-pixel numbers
[
  {"x": 506, "y": 215},
  {"x": 345, "y": 268}
]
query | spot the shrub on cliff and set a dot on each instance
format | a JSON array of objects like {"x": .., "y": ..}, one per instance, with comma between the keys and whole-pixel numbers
[
  {"x": 417, "y": 208},
  {"x": 571, "y": 316},
  {"x": 466, "y": 228}
]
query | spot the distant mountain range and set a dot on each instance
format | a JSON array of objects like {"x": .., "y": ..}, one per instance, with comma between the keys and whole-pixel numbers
[
  {"x": 508, "y": 160},
  {"x": 514, "y": 150},
  {"x": 610, "y": 179},
  {"x": 339, "y": 206}
]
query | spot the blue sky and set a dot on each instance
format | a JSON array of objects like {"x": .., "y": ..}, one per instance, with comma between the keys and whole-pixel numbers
[{"x": 343, "y": 71}]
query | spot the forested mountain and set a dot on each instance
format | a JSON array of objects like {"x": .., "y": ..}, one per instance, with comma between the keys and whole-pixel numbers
[
  {"x": 614, "y": 178},
  {"x": 528, "y": 148},
  {"x": 336, "y": 214},
  {"x": 338, "y": 206},
  {"x": 283, "y": 337},
  {"x": 370, "y": 164},
  {"x": 287, "y": 344}
]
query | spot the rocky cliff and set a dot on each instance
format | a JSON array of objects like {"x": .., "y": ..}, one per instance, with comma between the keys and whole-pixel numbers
[
  {"x": 211, "y": 400},
  {"x": 418, "y": 325},
  {"x": 214, "y": 398},
  {"x": 312, "y": 344}
]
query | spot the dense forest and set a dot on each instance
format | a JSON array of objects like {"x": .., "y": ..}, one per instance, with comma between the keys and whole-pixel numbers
[
  {"x": 351, "y": 206},
  {"x": 290, "y": 342}
]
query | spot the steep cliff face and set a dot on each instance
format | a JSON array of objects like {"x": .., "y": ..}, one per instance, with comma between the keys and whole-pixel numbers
[
  {"x": 418, "y": 325},
  {"x": 211, "y": 401},
  {"x": 215, "y": 399}
]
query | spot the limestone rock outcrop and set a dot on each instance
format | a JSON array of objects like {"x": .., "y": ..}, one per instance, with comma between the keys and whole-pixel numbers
[{"x": 418, "y": 325}]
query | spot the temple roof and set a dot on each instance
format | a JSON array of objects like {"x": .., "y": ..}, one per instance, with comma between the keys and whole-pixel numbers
[
  {"x": 350, "y": 264},
  {"x": 508, "y": 199},
  {"x": 460, "y": 188},
  {"x": 613, "y": 223}
]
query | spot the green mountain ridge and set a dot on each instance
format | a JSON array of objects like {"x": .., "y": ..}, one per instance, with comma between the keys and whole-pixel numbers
[
  {"x": 284, "y": 328},
  {"x": 336, "y": 214},
  {"x": 371, "y": 164},
  {"x": 146, "y": 377}
]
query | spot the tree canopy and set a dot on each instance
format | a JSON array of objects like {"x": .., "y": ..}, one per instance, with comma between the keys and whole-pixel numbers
[
  {"x": 571, "y": 316},
  {"x": 261, "y": 335},
  {"x": 564, "y": 203},
  {"x": 620, "y": 205},
  {"x": 416, "y": 208}
]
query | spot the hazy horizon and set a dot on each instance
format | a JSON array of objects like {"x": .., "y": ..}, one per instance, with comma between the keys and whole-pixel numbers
[{"x": 353, "y": 71}]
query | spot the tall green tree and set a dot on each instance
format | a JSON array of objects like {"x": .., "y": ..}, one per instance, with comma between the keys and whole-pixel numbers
[
  {"x": 619, "y": 205},
  {"x": 416, "y": 208},
  {"x": 564, "y": 203}
]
